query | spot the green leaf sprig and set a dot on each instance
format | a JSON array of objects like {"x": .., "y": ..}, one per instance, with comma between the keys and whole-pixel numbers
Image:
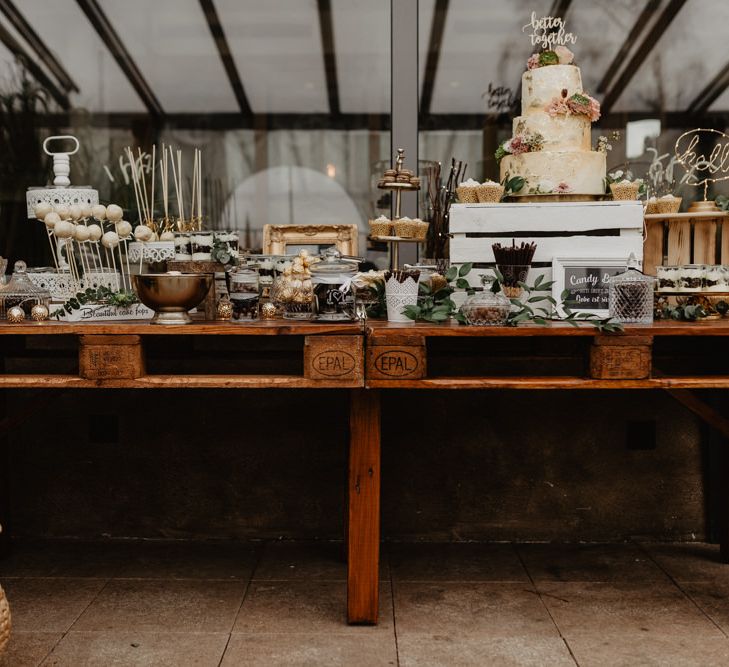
[{"x": 101, "y": 294}]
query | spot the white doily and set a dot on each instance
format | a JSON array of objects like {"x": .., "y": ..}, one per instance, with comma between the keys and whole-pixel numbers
[
  {"x": 62, "y": 287},
  {"x": 154, "y": 251},
  {"x": 56, "y": 196}
]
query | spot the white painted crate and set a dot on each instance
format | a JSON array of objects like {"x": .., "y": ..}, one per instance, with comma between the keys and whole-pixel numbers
[{"x": 581, "y": 229}]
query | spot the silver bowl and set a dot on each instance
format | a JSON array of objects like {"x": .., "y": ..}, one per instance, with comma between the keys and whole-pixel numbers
[{"x": 171, "y": 295}]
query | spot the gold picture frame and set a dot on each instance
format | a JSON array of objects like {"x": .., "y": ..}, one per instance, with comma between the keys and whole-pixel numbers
[{"x": 277, "y": 237}]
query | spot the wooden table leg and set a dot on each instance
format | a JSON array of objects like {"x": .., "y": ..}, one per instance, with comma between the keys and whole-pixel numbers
[
  {"x": 4, "y": 479},
  {"x": 363, "y": 541}
]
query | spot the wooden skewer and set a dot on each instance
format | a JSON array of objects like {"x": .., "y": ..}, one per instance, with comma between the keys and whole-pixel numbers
[{"x": 154, "y": 155}]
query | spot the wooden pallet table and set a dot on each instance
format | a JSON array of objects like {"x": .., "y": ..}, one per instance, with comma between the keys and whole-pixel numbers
[{"x": 139, "y": 355}]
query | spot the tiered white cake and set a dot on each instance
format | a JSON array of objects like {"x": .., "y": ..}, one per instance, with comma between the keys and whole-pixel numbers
[{"x": 561, "y": 156}]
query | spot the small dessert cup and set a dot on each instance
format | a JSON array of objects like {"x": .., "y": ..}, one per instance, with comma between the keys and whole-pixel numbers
[
  {"x": 624, "y": 190},
  {"x": 489, "y": 192}
]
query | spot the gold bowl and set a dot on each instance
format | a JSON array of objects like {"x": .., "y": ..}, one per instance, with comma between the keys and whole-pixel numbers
[{"x": 171, "y": 295}]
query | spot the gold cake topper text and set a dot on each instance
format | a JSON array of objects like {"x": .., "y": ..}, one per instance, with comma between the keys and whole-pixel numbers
[{"x": 549, "y": 31}]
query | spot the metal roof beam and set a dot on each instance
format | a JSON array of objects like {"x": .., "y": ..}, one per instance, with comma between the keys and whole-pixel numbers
[
  {"x": 641, "y": 53},
  {"x": 435, "y": 41},
  {"x": 32, "y": 38},
  {"x": 226, "y": 57},
  {"x": 711, "y": 92},
  {"x": 326, "y": 26},
  {"x": 35, "y": 70},
  {"x": 113, "y": 42}
]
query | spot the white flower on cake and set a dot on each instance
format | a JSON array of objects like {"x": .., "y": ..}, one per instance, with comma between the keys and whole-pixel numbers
[{"x": 545, "y": 185}]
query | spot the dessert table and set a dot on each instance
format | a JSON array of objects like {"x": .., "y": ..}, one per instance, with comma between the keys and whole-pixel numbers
[{"x": 367, "y": 360}]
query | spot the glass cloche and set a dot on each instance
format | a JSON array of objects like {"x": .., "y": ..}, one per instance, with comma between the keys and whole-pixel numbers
[
  {"x": 20, "y": 291},
  {"x": 486, "y": 308},
  {"x": 630, "y": 295}
]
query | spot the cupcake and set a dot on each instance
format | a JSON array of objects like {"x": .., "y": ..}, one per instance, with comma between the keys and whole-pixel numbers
[
  {"x": 624, "y": 190},
  {"x": 415, "y": 181},
  {"x": 405, "y": 228},
  {"x": 665, "y": 205},
  {"x": 421, "y": 230},
  {"x": 403, "y": 178},
  {"x": 380, "y": 226},
  {"x": 489, "y": 192},
  {"x": 466, "y": 191},
  {"x": 390, "y": 173}
]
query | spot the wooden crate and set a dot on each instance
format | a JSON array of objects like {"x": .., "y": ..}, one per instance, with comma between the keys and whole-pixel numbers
[
  {"x": 686, "y": 238},
  {"x": 621, "y": 357},
  {"x": 396, "y": 358},
  {"x": 578, "y": 229}
]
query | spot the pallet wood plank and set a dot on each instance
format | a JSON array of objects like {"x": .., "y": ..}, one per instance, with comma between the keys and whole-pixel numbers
[
  {"x": 653, "y": 247},
  {"x": 548, "y": 217},
  {"x": 334, "y": 359},
  {"x": 630, "y": 359},
  {"x": 724, "y": 254},
  {"x": 400, "y": 357},
  {"x": 108, "y": 357},
  {"x": 704, "y": 242},
  {"x": 468, "y": 249},
  {"x": 363, "y": 539},
  {"x": 679, "y": 242}
]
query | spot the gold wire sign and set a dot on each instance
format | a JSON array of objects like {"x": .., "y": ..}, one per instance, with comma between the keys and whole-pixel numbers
[
  {"x": 702, "y": 170},
  {"x": 549, "y": 31}
]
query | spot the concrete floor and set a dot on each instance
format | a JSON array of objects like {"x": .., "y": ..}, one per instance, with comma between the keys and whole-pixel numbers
[{"x": 283, "y": 603}]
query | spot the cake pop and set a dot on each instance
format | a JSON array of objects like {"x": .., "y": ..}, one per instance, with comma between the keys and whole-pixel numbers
[
  {"x": 42, "y": 209},
  {"x": 114, "y": 213},
  {"x": 62, "y": 210},
  {"x": 99, "y": 212},
  {"x": 51, "y": 219},
  {"x": 74, "y": 211},
  {"x": 124, "y": 229}
]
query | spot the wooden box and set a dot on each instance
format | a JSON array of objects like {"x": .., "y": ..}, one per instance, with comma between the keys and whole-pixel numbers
[
  {"x": 335, "y": 358},
  {"x": 112, "y": 357},
  {"x": 621, "y": 357},
  {"x": 560, "y": 229},
  {"x": 396, "y": 358}
]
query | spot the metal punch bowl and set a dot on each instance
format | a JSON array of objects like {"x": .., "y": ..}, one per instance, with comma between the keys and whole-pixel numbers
[{"x": 172, "y": 295}]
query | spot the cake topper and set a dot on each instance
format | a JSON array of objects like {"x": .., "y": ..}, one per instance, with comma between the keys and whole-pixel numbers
[
  {"x": 549, "y": 31},
  {"x": 700, "y": 169}
]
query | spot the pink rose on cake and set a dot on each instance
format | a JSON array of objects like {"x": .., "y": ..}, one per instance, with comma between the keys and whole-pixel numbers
[
  {"x": 516, "y": 145},
  {"x": 563, "y": 188},
  {"x": 558, "y": 106},
  {"x": 564, "y": 54},
  {"x": 533, "y": 61},
  {"x": 582, "y": 103}
]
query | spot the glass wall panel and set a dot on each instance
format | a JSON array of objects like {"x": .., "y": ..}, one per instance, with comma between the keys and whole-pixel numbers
[{"x": 289, "y": 101}]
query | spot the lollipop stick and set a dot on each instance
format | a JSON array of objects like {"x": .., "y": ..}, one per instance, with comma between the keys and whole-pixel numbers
[{"x": 53, "y": 249}]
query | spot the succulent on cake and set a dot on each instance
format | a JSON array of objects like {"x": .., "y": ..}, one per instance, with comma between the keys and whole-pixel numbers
[
  {"x": 561, "y": 55},
  {"x": 577, "y": 104},
  {"x": 527, "y": 142}
]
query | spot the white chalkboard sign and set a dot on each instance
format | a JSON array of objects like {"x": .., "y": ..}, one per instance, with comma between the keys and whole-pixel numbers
[{"x": 586, "y": 280}]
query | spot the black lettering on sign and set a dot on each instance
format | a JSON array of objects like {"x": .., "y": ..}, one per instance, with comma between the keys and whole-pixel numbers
[
  {"x": 333, "y": 363},
  {"x": 396, "y": 363}
]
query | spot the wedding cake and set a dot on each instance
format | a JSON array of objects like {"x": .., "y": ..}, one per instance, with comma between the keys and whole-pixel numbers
[{"x": 551, "y": 143}]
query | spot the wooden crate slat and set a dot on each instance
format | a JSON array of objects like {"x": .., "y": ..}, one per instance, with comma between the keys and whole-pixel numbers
[
  {"x": 679, "y": 242},
  {"x": 653, "y": 247},
  {"x": 464, "y": 249},
  {"x": 704, "y": 242},
  {"x": 548, "y": 217},
  {"x": 724, "y": 254}
]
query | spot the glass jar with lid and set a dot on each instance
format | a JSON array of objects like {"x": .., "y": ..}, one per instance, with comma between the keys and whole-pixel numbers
[
  {"x": 332, "y": 281},
  {"x": 486, "y": 308},
  {"x": 630, "y": 295},
  {"x": 244, "y": 292},
  {"x": 21, "y": 291}
]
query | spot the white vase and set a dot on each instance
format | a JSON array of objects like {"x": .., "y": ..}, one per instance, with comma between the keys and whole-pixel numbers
[{"x": 401, "y": 290}]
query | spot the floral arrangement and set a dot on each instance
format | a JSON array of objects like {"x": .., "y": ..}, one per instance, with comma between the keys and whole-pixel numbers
[
  {"x": 527, "y": 142},
  {"x": 547, "y": 187},
  {"x": 561, "y": 55},
  {"x": 577, "y": 104}
]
